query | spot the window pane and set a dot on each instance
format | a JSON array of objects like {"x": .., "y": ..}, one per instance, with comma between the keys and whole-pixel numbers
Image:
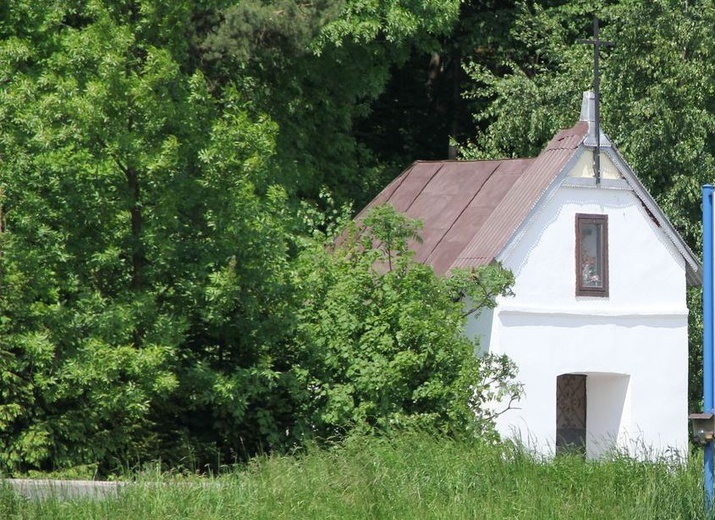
[{"x": 591, "y": 255}]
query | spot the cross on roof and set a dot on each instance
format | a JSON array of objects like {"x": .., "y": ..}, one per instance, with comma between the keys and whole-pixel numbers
[{"x": 597, "y": 44}]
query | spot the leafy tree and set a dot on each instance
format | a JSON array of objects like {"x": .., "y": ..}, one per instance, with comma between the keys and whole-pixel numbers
[
  {"x": 316, "y": 73},
  {"x": 150, "y": 306},
  {"x": 422, "y": 113},
  {"x": 380, "y": 337},
  {"x": 267, "y": 34},
  {"x": 143, "y": 244},
  {"x": 537, "y": 89},
  {"x": 656, "y": 88}
]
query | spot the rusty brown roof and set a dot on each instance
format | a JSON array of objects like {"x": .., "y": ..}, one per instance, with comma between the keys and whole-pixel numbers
[{"x": 470, "y": 209}]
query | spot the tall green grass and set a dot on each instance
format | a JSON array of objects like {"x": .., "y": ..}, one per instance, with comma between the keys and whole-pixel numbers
[{"x": 412, "y": 476}]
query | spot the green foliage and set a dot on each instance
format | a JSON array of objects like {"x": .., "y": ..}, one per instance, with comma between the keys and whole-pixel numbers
[
  {"x": 268, "y": 32},
  {"x": 423, "y": 112},
  {"x": 536, "y": 89},
  {"x": 316, "y": 73},
  {"x": 143, "y": 243},
  {"x": 11, "y": 505},
  {"x": 382, "y": 337},
  {"x": 397, "y": 22},
  {"x": 656, "y": 92},
  {"x": 150, "y": 305},
  {"x": 662, "y": 102},
  {"x": 158, "y": 297}
]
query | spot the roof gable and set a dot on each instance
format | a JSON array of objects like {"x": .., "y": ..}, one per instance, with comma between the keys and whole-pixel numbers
[{"x": 694, "y": 269}]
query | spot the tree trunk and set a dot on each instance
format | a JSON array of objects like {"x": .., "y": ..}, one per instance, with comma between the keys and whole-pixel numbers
[
  {"x": 456, "y": 103},
  {"x": 137, "y": 253}
]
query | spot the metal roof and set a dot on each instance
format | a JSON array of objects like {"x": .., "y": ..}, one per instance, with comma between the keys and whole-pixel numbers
[
  {"x": 453, "y": 199},
  {"x": 470, "y": 209}
]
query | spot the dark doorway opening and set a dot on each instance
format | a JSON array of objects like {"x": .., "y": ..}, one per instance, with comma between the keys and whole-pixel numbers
[{"x": 571, "y": 414}]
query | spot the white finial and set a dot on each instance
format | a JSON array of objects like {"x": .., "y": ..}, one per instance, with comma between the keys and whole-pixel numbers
[{"x": 588, "y": 114}]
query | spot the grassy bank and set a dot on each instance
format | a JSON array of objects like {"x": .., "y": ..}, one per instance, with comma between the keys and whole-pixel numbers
[{"x": 413, "y": 476}]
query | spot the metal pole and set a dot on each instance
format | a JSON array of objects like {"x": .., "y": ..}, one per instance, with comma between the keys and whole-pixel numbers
[
  {"x": 597, "y": 44},
  {"x": 597, "y": 100},
  {"x": 708, "y": 331}
]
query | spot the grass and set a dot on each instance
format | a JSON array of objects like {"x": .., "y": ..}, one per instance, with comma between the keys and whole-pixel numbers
[{"x": 413, "y": 476}]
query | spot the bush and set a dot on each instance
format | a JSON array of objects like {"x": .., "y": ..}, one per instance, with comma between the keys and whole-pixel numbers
[{"x": 380, "y": 338}]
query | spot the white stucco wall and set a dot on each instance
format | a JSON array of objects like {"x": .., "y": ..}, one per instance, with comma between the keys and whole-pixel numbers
[{"x": 632, "y": 345}]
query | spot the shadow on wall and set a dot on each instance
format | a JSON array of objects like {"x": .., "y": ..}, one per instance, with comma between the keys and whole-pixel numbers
[{"x": 608, "y": 412}]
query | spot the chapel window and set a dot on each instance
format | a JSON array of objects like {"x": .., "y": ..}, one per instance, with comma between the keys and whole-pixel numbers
[{"x": 591, "y": 255}]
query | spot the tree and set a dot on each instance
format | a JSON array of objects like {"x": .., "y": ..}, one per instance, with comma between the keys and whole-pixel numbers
[
  {"x": 143, "y": 240},
  {"x": 316, "y": 74},
  {"x": 537, "y": 89},
  {"x": 422, "y": 112},
  {"x": 380, "y": 338}
]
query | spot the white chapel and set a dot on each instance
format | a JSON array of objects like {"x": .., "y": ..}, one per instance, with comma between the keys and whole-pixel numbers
[{"x": 598, "y": 324}]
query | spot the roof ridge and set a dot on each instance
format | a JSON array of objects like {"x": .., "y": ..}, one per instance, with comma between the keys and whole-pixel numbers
[{"x": 468, "y": 161}]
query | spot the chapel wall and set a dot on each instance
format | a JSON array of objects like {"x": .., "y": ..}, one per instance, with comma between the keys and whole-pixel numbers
[{"x": 637, "y": 333}]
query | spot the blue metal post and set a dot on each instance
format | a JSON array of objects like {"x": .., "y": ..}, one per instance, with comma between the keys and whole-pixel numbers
[{"x": 708, "y": 330}]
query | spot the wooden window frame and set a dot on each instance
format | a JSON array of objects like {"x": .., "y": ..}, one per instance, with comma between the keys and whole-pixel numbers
[{"x": 586, "y": 219}]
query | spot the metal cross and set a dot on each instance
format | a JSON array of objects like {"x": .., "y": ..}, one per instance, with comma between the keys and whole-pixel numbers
[{"x": 597, "y": 44}]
